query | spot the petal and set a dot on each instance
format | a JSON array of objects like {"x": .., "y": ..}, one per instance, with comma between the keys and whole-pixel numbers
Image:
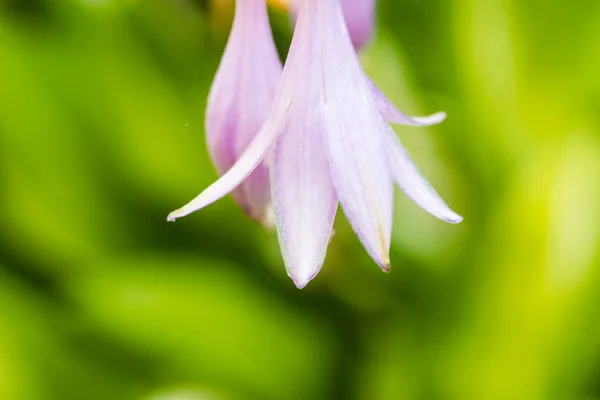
[
  {"x": 303, "y": 197},
  {"x": 391, "y": 113},
  {"x": 250, "y": 159},
  {"x": 354, "y": 138},
  {"x": 359, "y": 16},
  {"x": 259, "y": 147},
  {"x": 362, "y": 182},
  {"x": 408, "y": 177},
  {"x": 240, "y": 99}
]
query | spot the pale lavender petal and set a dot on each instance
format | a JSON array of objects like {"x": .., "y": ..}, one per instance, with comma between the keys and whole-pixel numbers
[
  {"x": 259, "y": 147},
  {"x": 359, "y": 16},
  {"x": 240, "y": 99},
  {"x": 353, "y": 137},
  {"x": 250, "y": 159},
  {"x": 393, "y": 115},
  {"x": 303, "y": 197},
  {"x": 410, "y": 180}
]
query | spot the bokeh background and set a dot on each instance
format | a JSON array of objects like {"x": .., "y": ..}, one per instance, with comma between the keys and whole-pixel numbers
[{"x": 101, "y": 135}]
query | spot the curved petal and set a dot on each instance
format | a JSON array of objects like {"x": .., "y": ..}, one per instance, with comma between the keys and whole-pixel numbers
[
  {"x": 240, "y": 99},
  {"x": 303, "y": 197},
  {"x": 362, "y": 183},
  {"x": 250, "y": 159},
  {"x": 353, "y": 138},
  {"x": 408, "y": 177},
  {"x": 391, "y": 114}
]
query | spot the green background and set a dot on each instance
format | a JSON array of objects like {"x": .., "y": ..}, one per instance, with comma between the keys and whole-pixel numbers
[{"x": 101, "y": 135}]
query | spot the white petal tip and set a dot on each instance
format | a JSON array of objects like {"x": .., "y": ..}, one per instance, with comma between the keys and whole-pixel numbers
[
  {"x": 176, "y": 214},
  {"x": 433, "y": 119},
  {"x": 300, "y": 284},
  {"x": 302, "y": 280},
  {"x": 457, "y": 219},
  {"x": 452, "y": 218}
]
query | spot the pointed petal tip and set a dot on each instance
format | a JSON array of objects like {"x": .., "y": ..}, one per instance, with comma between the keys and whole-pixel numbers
[
  {"x": 301, "y": 282},
  {"x": 393, "y": 115},
  {"x": 384, "y": 263},
  {"x": 176, "y": 214},
  {"x": 454, "y": 218},
  {"x": 432, "y": 119},
  {"x": 301, "y": 279},
  {"x": 386, "y": 266}
]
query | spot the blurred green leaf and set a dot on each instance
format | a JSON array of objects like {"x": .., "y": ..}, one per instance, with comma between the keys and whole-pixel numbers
[{"x": 205, "y": 316}]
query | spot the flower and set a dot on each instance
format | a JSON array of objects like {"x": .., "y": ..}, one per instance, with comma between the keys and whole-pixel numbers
[
  {"x": 328, "y": 142},
  {"x": 240, "y": 99},
  {"x": 359, "y": 16}
]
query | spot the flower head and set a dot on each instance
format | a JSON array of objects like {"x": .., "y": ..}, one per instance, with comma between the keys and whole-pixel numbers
[
  {"x": 328, "y": 142},
  {"x": 240, "y": 99}
]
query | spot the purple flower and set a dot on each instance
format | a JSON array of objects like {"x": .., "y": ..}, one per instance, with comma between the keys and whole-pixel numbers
[
  {"x": 327, "y": 142},
  {"x": 240, "y": 99},
  {"x": 359, "y": 16}
]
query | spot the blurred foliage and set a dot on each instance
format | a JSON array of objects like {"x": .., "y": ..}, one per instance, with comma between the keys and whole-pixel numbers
[{"x": 101, "y": 135}]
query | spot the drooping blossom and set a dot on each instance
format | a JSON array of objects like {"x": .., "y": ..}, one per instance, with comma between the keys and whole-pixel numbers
[
  {"x": 359, "y": 16},
  {"x": 327, "y": 141},
  {"x": 240, "y": 99}
]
